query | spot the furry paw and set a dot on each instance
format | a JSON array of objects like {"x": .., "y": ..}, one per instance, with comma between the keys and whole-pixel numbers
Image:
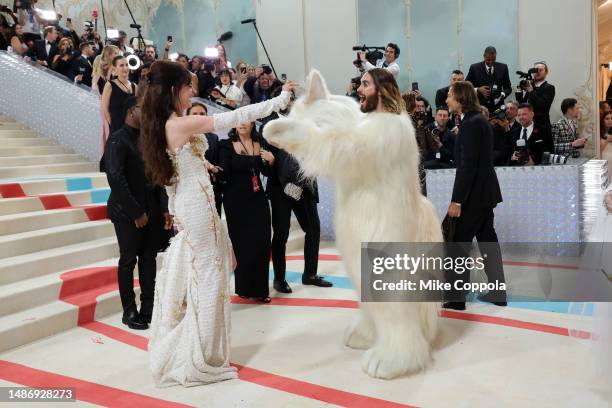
[
  {"x": 357, "y": 336},
  {"x": 380, "y": 363}
]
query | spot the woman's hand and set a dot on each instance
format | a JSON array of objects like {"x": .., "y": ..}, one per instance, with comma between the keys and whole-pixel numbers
[
  {"x": 290, "y": 86},
  {"x": 267, "y": 156}
]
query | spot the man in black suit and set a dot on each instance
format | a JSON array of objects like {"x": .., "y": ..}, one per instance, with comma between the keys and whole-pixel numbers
[
  {"x": 139, "y": 214},
  {"x": 83, "y": 67},
  {"x": 530, "y": 140},
  {"x": 45, "y": 50},
  {"x": 442, "y": 94},
  {"x": 212, "y": 155},
  {"x": 491, "y": 79},
  {"x": 539, "y": 94},
  {"x": 476, "y": 193}
]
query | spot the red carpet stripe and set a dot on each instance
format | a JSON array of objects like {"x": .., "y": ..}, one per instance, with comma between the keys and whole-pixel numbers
[
  {"x": 11, "y": 190},
  {"x": 284, "y": 301},
  {"x": 308, "y": 390},
  {"x": 54, "y": 201},
  {"x": 84, "y": 390}
]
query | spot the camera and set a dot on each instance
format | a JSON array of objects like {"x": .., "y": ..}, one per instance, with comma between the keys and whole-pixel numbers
[
  {"x": 266, "y": 69},
  {"x": 23, "y": 4},
  {"x": 526, "y": 77},
  {"x": 548, "y": 158},
  {"x": 521, "y": 152},
  {"x": 373, "y": 54},
  {"x": 499, "y": 113},
  {"x": 419, "y": 116}
]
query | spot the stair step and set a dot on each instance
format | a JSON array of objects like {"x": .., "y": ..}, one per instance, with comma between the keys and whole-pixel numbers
[
  {"x": 35, "y": 203},
  {"x": 12, "y": 126},
  {"x": 40, "y": 159},
  {"x": 16, "y": 223},
  {"x": 69, "y": 257},
  {"x": 21, "y": 171},
  {"x": 27, "y": 141},
  {"x": 34, "y": 324},
  {"x": 54, "y": 237},
  {"x": 58, "y": 183},
  {"x": 7, "y": 151},
  {"x": 5, "y": 118},
  {"x": 16, "y": 132}
]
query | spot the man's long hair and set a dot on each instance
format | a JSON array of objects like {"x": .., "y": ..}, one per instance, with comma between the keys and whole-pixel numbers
[
  {"x": 466, "y": 96},
  {"x": 389, "y": 91}
]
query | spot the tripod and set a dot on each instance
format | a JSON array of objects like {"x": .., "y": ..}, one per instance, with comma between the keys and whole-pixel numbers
[{"x": 252, "y": 20}]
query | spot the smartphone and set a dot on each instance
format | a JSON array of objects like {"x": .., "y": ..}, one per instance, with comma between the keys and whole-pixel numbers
[
  {"x": 169, "y": 38},
  {"x": 243, "y": 70},
  {"x": 415, "y": 86},
  {"x": 284, "y": 77},
  {"x": 69, "y": 20}
]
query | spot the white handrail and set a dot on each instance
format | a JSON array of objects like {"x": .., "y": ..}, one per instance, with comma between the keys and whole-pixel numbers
[{"x": 51, "y": 105}]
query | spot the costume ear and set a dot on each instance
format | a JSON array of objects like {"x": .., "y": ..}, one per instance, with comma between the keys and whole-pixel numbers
[{"x": 316, "y": 89}]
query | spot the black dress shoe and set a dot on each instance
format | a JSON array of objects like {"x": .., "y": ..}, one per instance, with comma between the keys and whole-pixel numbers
[
  {"x": 132, "y": 320},
  {"x": 316, "y": 281},
  {"x": 145, "y": 318},
  {"x": 282, "y": 286},
  {"x": 454, "y": 305},
  {"x": 498, "y": 299}
]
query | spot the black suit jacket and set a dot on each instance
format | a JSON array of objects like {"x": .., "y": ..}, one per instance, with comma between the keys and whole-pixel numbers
[
  {"x": 40, "y": 51},
  {"x": 541, "y": 99},
  {"x": 131, "y": 192},
  {"x": 476, "y": 184},
  {"x": 441, "y": 95},
  {"x": 539, "y": 142},
  {"x": 478, "y": 76},
  {"x": 83, "y": 67}
]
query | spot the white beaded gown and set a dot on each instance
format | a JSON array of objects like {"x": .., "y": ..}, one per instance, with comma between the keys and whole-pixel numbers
[{"x": 190, "y": 329}]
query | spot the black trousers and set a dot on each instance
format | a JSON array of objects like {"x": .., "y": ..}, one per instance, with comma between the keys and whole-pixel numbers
[
  {"x": 137, "y": 245},
  {"x": 479, "y": 223},
  {"x": 218, "y": 191},
  {"x": 307, "y": 215}
]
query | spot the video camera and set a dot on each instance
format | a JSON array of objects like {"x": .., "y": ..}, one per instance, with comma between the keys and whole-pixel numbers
[
  {"x": 373, "y": 54},
  {"x": 525, "y": 77}
]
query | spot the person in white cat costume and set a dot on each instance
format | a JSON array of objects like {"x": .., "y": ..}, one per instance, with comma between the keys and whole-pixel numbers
[{"x": 372, "y": 157}]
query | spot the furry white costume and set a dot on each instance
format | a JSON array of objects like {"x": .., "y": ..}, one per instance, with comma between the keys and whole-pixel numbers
[{"x": 373, "y": 161}]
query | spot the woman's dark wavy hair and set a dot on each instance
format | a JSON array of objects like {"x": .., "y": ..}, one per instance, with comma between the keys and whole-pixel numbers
[
  {"x": 161, "y": 99},
  {"x": 255, "y": 136},
  {"x": 602, "y": 124}
]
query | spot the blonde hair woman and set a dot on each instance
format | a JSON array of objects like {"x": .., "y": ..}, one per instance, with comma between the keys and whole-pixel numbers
[{"x": 102, "y": 67}]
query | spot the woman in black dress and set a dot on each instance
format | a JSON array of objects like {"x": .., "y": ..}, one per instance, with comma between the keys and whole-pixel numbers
[
  {"x": 115, "y": 93},
  {"x": 243, "y": 158}
]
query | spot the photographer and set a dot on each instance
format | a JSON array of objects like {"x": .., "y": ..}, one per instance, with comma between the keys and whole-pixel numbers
[
  {"x": 195, "y": 86},
  {"x": 260, "y": 87},
  {"x": 442, "y": 94},
  {"x": 538, "y": 93},
  {"x": 491, "y": 80},
  {"x": 392, "y": 53},
  {"x": 441, "y": 141},
  {"x": 531, "y": 140},
  {"x": 29, "y": 19},
  {"x": 227, "y": 94},
  {"x": 351, "y": 90},
  {"x": 565, "y": 131},
  {"x": 502, "y": 134}
]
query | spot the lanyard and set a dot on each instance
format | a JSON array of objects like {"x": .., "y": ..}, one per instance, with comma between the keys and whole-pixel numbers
[{"x": 252, "y": 155}]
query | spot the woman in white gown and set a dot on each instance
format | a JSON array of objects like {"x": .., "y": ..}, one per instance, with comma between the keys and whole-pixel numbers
[{"x": 190, "y": 327}]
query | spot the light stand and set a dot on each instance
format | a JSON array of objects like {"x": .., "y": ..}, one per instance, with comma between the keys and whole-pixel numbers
[
  {"x": 138, "y": 27},
  {"x": 252, "y": 20}
]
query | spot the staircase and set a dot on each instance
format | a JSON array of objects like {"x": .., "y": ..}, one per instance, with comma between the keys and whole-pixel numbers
[{"x": 57, "y": 249}]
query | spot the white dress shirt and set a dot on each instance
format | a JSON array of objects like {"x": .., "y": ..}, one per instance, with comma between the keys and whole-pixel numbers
[
  {"x": 529, "y": 131},
  {"x": 393, "y": 68},
  {"x": 231, "y": 92}
]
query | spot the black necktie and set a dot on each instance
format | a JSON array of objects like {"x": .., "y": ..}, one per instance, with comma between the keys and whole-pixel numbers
[
  {"x": 524, "y": 133},
  {"x": 490, "y": 70}
]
